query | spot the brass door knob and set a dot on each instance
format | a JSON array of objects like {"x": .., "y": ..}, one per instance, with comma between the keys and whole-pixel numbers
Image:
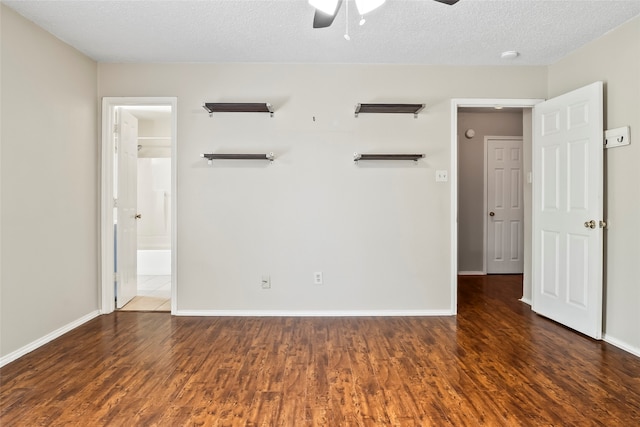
[{"x": 590, "y": 224}]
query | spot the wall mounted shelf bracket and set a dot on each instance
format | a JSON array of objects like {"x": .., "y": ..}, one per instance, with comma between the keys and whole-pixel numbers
[
  {"x": 238, "y": 107},
  {"x": 389, "y": 108},
  {"x": 414, "y": 157}
]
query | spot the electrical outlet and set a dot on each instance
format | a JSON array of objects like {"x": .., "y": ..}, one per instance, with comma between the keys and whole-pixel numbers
[
  {"x": 317, "y": 278},
  {"x": 266, "y": 282},
  {"x": 442, "y": 176}
]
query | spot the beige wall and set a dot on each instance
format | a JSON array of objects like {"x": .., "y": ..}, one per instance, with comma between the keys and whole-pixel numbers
[
  {"x": 471, "y": 159},
  {"x": 615, "y": 59},
  {"x": 49, "y": 184},
  {"x": 378, "y": 231}
]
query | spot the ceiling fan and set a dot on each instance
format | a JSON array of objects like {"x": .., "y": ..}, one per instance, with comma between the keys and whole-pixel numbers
[{"x": 326, "y": 10}]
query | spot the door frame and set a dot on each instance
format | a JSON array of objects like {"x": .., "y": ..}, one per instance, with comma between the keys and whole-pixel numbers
[
  {"x": 485, "y": 219},
  {"x": 107, "y": 291},
  {"x": 471, "y": 103}
]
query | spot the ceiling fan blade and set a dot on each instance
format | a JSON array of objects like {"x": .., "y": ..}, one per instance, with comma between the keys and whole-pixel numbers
[
  {"x": 449, "y": 2},
  {"x": 323, "y": 20}
]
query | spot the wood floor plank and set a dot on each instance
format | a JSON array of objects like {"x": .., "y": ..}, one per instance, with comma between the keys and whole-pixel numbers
[{"x": 496, "y": 363}]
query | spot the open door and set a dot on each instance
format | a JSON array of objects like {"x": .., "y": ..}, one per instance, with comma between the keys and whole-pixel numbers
[
  {"x": 126, "y": 204},
  {"x": 568, "y": 209}
]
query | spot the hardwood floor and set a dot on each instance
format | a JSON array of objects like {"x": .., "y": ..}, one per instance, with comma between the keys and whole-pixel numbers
[{"x": 495, "y": 364}]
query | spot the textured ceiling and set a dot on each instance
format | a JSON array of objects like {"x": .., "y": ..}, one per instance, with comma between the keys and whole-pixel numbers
[{"x": 472, "y": 32}]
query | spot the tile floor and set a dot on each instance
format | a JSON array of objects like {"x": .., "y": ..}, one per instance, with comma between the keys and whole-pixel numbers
[{"x": 154, "y": 294}]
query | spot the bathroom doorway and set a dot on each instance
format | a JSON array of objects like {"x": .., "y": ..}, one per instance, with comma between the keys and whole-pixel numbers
[
  {"x": 138, "y": 195},
  {"x": 153, "y": 204}
]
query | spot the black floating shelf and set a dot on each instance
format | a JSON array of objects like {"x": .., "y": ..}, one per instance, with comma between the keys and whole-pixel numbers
[
  {"x": 414, "y": 157},
  {"x": 218, "y": 156},
  {"x": 389, "y": 108},
  {"x": 238, "y": 107}
]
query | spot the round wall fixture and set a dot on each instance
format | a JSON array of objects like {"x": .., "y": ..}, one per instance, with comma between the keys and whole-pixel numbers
[{"x": 470, "y": 133}]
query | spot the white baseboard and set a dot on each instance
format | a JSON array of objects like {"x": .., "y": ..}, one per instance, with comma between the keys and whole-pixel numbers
[
  {"x": 471, "y": 273},
  {"x": 312, "y": 313},
  {"x": 621, "y": 345},
  {"x": 47, "y": 338},
  {"x": 526, "y": 301}
]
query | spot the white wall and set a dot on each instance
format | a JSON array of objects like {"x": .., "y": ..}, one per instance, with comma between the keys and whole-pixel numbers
[
  {"x": 154, "y": 135},
  {"x": 615, "y": 59},
  {"x": 49, "y": 183},
  {"x": 378, "y": 231},
  {"x": 154, "y": 183},
  {"x": 471, "y": 177},
  {"x": 154, "y": 203}
]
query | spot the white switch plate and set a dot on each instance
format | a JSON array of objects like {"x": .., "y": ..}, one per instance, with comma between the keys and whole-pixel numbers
[
  {"x": 442, "y": 176},
  {"x": 616, "y": 137}
]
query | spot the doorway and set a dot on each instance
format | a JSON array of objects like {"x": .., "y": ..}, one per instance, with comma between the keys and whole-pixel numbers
[
  {"x": 468, "y": 235},
  {"x": 483, "y": 131},
  {"x": 139, "y": 213},
  {"x": 565, "y": 259},
  {"x": 153, "y": 209}
]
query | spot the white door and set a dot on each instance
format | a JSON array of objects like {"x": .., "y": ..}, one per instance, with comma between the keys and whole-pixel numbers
[
  {"x": 505, "y": 212},
  {"x": 127, "y": 189},
  {"x": 568, "y": 207}
]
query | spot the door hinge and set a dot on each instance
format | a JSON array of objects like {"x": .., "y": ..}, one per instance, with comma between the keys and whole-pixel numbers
[
  {"x": 116, "y": 128},
  {"x": 115, "y": 203},
  {"x": 115, "y": 277}
]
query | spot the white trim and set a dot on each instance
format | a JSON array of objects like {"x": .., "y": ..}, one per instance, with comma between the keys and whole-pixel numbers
[
  {"x": 485, "y": 196},
  {"x": 621, "y": 345},
  {"x": 14, "y": 355},
  {"x": 453, "y": 177},
  {"x": 471, "y": 273},
  {"x": 313, "y": 313},
  {"x": 492, "y": 102},
  {"x": 525, "y": 300},
  {"x": 107, "y": 304},
  {"x": 107, "y": 300}
]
